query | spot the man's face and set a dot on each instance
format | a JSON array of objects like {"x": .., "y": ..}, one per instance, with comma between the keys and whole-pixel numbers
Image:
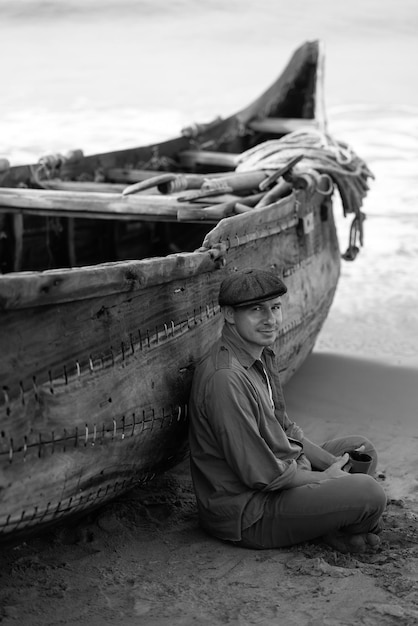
[{"x": 259, "y": 323}]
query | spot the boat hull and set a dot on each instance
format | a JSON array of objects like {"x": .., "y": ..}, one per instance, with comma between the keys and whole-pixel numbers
[{"x": 99, "y": 402}]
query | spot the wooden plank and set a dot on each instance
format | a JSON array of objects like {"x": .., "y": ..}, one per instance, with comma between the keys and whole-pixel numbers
[
  {"x": 57, "y": 184},
  {"x": 256, "y": 224},
  {"x": 18, "y": 229},
  {"x": 72, "y": 257},
  {"x": 281, "y": 125},
  {"x": 88, "y": 204},
  {"x": 52, "y": 287}
]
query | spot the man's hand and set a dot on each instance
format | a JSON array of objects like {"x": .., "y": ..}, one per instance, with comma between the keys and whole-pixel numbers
[
  {"x": 347, "y": 467},
  {"x": 336, "y": 469}
]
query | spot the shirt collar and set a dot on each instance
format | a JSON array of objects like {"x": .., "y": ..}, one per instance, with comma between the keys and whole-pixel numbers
[{"x": 233, "y": 340}]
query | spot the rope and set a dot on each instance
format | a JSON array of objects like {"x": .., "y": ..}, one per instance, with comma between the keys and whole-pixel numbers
[
  {"x": 356, "y": 235},
  {"x": 325, "y": 155},
  {"x": 322, "y": 153}
]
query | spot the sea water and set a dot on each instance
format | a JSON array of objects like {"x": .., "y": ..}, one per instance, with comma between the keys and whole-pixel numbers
[
  {"x": 102, "y": 75},
  {"x": 106, "y": 74}
]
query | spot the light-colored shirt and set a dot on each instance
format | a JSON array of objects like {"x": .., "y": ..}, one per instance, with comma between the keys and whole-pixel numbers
[{"x": 242, "y": 442}]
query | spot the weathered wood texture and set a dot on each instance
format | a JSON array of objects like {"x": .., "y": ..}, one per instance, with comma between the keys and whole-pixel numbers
[{"x": 96, "y": 205}]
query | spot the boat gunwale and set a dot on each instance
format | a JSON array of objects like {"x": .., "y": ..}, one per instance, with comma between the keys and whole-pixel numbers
[{"x": 20, "y": 290}]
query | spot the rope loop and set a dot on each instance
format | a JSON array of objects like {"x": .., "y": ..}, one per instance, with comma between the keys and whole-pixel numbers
[{"x": 329, "y": 189}]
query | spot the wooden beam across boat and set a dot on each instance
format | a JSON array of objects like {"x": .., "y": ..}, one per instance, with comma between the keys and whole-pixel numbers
[
  {"x": 281, "y": 125},
  {"x": 88, "y": 205}
]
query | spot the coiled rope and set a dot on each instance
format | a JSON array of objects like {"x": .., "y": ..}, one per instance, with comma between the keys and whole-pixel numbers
[{"x": 325, "y": 155}]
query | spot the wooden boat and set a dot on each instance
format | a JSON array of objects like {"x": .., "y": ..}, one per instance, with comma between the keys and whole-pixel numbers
[{"x": 107, "y": 299}]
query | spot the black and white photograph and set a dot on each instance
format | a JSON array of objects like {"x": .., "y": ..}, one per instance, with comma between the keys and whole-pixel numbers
[{"x": 208, "y": 313}]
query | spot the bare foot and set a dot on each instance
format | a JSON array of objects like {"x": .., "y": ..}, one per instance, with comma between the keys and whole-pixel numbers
[{"x": 352, "y": 544}]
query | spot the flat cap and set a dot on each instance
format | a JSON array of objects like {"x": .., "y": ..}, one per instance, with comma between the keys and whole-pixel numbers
[{"x": 249, "y": 287}]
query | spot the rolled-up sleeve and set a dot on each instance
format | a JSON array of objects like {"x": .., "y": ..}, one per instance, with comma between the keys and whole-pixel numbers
[{"x": 294, "y": 431}]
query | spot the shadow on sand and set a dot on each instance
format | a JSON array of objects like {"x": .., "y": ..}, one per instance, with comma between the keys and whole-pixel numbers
[{"x": 334, "y": 394}]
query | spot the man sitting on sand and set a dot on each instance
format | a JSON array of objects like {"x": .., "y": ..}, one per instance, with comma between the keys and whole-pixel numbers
[{"x": 259, "y": 482}]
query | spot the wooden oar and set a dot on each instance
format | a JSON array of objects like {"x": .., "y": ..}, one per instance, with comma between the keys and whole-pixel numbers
[
  {"x": 171, "y": 183},
  {"x": 238, "y": 182},
  {"x": 187, "y": 213},
  {"x": 192, "y": 158},
  {"x": 280, "y": 190},
  {"x": 167, "y": 183},
  {"x": 242, "y": 182},
  {"x": 270, "y": 180}
]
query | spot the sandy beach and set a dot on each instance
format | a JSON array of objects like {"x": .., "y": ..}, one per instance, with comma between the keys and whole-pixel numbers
[{"x": 143, "y": 560}]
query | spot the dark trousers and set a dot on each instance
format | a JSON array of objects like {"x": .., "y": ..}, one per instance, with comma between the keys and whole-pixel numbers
[{"x": 353, "y": 504}]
